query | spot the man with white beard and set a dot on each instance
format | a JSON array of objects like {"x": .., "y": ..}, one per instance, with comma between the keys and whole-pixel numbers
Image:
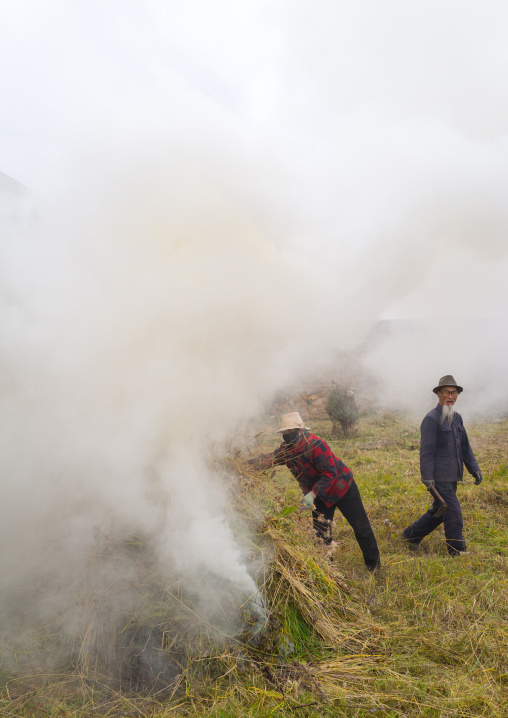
[{"x": 444, "y": 449}]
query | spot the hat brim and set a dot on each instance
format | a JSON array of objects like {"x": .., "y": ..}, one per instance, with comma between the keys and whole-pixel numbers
[
  {"x": 291, "y": 428},
  {"x": 437, "y": 388}
]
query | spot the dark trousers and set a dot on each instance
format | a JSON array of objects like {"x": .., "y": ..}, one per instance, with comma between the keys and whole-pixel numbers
[
  {"x": 351, "y": 507},
  {"x": 452, "y": 520}
]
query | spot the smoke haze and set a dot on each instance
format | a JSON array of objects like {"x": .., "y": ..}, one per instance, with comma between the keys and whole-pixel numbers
[{"x": 222, "y": 198}]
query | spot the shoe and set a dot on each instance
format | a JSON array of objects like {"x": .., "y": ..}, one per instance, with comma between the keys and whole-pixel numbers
[
  {"x": 410, "y": 544},
  {"x": 331, "y": 547},
  {"x": 460, "y": 553}
]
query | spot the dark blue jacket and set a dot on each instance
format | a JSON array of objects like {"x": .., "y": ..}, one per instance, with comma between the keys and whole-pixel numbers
[{"x": 445, "y": 448}]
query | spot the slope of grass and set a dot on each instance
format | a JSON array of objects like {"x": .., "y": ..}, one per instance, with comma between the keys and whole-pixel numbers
[{"x": 426, "y": 636}]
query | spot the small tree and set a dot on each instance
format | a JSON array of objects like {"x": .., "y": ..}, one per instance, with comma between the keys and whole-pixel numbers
[{"x": 342, "y": 409}]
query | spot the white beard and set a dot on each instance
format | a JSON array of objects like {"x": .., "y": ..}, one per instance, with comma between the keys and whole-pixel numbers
[{"x": 448, "y": 413}]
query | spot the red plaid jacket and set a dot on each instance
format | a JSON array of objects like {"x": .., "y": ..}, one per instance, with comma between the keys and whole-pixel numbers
[{"x": 315, "y": 467}]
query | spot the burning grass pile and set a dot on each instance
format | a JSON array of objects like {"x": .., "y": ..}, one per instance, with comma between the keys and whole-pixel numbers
[{"x": 426, "y": 636}]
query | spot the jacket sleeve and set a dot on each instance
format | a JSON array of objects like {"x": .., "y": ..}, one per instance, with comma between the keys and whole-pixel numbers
[
  {"x": 467, "y": 454},
  {"x": 324, "y": 463},
  {"x": 428, "y": 445},
  {"x": 266, "y": 461},
  {"x": 280, "y": 456},
  {"x": 304, "y": 485}
]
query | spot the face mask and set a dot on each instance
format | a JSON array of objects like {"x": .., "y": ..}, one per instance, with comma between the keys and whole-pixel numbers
[{"x": 290, "y": 437}]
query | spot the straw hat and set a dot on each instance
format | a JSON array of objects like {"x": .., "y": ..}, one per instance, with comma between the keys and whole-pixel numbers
[
  {"x": 290, "y": 421},
  {"x": 447, "y": 380}
]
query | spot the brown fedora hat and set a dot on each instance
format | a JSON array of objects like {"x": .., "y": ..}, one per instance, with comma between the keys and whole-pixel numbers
[{"x": 447, "y": 380}]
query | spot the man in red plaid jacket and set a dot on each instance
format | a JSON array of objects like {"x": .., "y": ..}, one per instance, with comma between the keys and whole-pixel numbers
[{"x": 327, "y": 484}]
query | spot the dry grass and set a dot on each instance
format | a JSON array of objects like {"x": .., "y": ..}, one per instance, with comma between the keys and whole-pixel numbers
[{"x": 426, "y": 636}]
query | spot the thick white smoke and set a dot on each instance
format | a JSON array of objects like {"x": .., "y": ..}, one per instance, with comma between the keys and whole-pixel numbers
[{"x": 150, "y": 315}]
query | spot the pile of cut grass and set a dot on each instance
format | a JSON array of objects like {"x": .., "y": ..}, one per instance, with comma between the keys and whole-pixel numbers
[{"x": 426, "y": 636}]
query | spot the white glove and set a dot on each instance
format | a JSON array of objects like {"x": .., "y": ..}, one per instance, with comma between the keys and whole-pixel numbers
[{"x": 308, "y": 501}]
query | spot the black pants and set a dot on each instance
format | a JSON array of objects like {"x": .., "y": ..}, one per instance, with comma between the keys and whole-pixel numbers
[
  {"x": 452, "y": 520},
  {"x": 351, "y": 507}
]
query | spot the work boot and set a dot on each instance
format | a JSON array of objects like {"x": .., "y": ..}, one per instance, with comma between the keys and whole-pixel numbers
[
  {"x": 331, "y": 548},
  {"x": 412, "y": 545}
]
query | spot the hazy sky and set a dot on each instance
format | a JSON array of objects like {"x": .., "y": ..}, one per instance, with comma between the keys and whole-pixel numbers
[{"x": 375, "y": 116}]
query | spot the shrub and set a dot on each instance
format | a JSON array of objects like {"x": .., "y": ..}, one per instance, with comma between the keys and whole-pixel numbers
[{"x": 342, "y": 409}]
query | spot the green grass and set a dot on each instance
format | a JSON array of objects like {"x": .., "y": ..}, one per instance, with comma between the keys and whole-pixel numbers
[{"x": 427, "y": 636}]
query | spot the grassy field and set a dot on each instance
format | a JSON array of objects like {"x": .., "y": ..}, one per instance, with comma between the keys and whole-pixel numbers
[{"x": 425, "y": 636}]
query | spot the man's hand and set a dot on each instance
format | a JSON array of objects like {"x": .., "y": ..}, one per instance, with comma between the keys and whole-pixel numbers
[
  {"x": 429, "y": 483},
  {"x": 308, "y": 501},
  {"x": 478, "y": 477}
]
